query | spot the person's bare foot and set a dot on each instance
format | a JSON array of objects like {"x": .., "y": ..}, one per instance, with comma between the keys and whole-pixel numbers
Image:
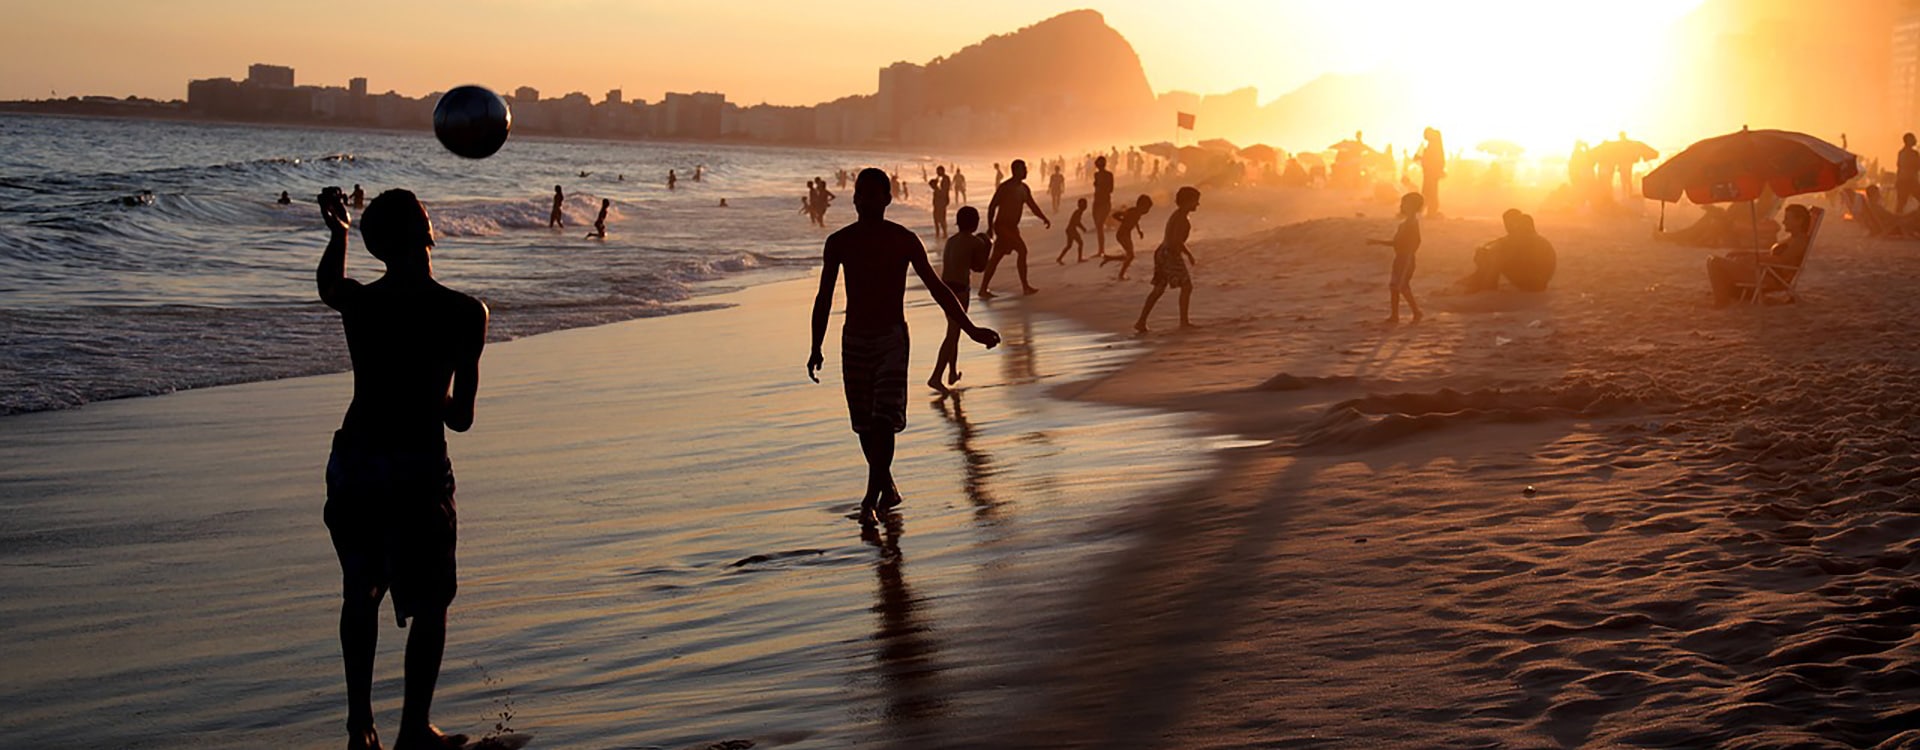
[
  {"x": 1121, "y": 277},
  {"x": 431, "y": 739},
  {"x": 1417, "y": 317},
  {"x": 984, "y": 294},
  {"x": 363, "y": 739},
  {"x": 934, "y": 383},
  {"x": 1391, "y": 320},
  {"x": 953, "y": 377},
  {"x": 1030, "y": 290},
  {"x": 1059, "y": 261},
  {"x": 1186, "y": 326},
  {"x": 889, "y": 499},
  {"x": 1140, "y": 327}
]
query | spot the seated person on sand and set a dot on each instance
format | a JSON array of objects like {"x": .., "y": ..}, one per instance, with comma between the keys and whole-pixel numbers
[
  {"x": 1732, "y": 225},
  {"x": 1879, "y": 221},
  {"x": 1523, "y": 256},
  {"x": 1724, "y": 272}
]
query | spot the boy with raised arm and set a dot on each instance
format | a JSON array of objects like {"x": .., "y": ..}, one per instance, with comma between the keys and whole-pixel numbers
[
  {"x": 876, "y": 254},
  {"x": 416, "y": 370}
]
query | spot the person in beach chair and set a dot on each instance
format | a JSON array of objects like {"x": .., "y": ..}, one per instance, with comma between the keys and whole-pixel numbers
[{"x": 1748, "y": 275}]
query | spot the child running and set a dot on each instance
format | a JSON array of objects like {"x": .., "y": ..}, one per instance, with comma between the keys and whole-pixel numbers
[
  {"x": 965, "y": 254},
  {"x": 1074, "y": 228},
  {"x": 1405, "y": 241},
  {"x": 1169, "y": 267},
  {"x": 1129, "y": 225}
]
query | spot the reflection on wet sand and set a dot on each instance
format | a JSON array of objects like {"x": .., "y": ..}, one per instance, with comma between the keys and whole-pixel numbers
[
  {"x": 906, "y": 651},
  {"x": 979, "y": 464}
]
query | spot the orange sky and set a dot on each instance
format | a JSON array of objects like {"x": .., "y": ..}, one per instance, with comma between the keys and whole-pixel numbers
[{"x": 753, "y": 50}]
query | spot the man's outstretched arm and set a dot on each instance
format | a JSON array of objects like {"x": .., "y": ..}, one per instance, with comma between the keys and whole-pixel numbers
[
  {"x": 1036, "y": 210},
  {"x": 823, "y": 307}
]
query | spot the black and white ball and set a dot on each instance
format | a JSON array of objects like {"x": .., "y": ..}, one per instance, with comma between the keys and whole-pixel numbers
[{"x": 472, "y": 121}]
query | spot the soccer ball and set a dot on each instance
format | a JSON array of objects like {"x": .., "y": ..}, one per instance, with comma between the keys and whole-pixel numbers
[{"x": 472, "y": 121}]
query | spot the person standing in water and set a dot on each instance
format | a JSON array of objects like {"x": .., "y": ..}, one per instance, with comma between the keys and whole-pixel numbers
[
  {"x": 672, "y": 179},
  {"x": 1102, "y": 203},
  {"x": 1003, "y": 226},
  {"x": 942, "y": 187},
  {"x": 964, "y": 255},
  {"x": 554, "y": 217},
  {"x": 1906, "y": 180},
  {"x": 415, "y": 347},
  {"x": 1406, "y": 240},
  {"x": 359, "y": 198},
  {"x": 600, "y": 223},
  {"x": 876, "y": 254},
  {"x": 1169, "y": 267},
  {"x": 960, "y": 185}
]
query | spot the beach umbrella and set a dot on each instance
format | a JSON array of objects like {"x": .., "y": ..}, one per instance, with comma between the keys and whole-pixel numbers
[
  {"x": 1623, "y": 152},
  {"x": 1736, "y": 167},
  {"x": 1348, "y": 146},
  {"x": 1262, "y": 153},
  {"x": 1502, "y": 149},
  {"x": 1163, "y": 149},
  {"x": 1219, "y": 145}
]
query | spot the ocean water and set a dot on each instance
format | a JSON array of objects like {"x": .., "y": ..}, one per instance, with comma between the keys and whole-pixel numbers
[{"x": 211, "y": 281}]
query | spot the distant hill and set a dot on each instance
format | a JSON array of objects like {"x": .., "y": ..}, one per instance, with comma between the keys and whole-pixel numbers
[{"x": 1074, "y": 59}]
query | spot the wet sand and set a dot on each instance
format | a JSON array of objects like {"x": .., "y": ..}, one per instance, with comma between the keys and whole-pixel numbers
[{"x": 654, "y": 550}]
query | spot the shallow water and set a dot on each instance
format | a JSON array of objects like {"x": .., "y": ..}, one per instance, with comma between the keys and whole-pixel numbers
[
  {"x": 211, "y": 282},
  {"x": 654, "y": 552}
]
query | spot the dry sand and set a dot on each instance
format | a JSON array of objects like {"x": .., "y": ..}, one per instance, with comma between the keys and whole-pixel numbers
[{"x": 1718, "y": 551}]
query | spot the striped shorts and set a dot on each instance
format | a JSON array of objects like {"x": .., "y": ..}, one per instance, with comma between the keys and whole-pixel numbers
[{"x": 874, "y": 368}]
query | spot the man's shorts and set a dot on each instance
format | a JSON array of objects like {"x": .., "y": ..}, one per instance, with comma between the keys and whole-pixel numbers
[
  {"x": 1007, "y": 240},
  {"x": 874, "y": 368},
  {"x": 392, "y": 520},
  {"x": 1170, "y": 268}
]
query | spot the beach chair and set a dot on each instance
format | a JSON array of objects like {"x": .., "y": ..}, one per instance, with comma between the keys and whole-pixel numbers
[{"x": 1780, "y": 278}]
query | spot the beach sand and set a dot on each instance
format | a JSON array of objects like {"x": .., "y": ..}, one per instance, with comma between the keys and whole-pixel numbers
[
  {"x": 1292, "y": 527},
  {"x": 1606, "y": 515}
]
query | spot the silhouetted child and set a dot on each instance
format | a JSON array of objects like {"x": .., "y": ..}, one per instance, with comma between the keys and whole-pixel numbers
[
  {"x": 600, "y": 223},
  {"x": 1406, "y": 240},
  {"x": 416, "y": 366},
  {"x": 1128, "y": 225},
  {"x": 285, "y": 200},
  {"x": 1074, "y": 228},
  {"x": 553, "y": 218},
  {"x": 1169, "y": 265},
  {"x": 964, "y": 255},
  {"x": 359, "y": 198},
  {"x": 1057, "y": 187},
  {"x": 876, "y": 254},
  {"x": 672, "y": 179}
]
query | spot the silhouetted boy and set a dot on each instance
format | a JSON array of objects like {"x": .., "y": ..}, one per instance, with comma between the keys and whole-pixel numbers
[
  {"x": 964, "y": 255},
  {"x": 359, "y": 198},
  {"x": 1057, "y": 187},
  {"x": 1169, "y": 265},
  {"x": 1074, "y": 227},
  {"x": 416, "y": 366},
  {"x": 1003, "y": 226},
  {"x": 942, "y": 192},
  {"x": 1406, "y": 240},
  {"x": 553, "y": 218},
  {"x": 1906, "y": 180},
  {"x": 1127, "y": 225},
  {"x": 876, "y": 254}
]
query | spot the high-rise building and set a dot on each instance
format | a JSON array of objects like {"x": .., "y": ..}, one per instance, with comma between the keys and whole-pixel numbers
[
  {"x": 357, "y": 86},
  {"x": 526, "y": 94},
  {"x": 1904, "y": 76},
  {"x": 270, "y": 76},
  {"x": 614, "y": 97},
  {"x": 902, "y": 97}
]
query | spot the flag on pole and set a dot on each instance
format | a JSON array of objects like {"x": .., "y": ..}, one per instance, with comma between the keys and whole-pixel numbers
[{"x": 1183, "y": 120}]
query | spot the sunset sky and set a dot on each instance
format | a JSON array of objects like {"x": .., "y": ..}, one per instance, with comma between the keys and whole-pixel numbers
[{"x": 777, "y": 52}]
